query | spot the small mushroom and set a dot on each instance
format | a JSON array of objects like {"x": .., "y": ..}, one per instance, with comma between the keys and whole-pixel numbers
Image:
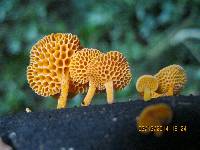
[
  {"x": 48, "y": 72},
  {"x": 79, "y": 64},
  {"x": 109, "y": 71},
  {"x": 154, "y": 116},
  {"x": 171, "y": 80},
  {"x": 146, "y": 85}
]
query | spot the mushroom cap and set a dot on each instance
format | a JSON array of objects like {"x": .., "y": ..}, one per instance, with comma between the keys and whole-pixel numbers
[
  {"x": 173, "y": 75},
  {"x": 146, "y": 81},
  {"x": 155, "y": 115},
  {"x": 79, "y": 64},
  {"x": 49, "y": 60},
  {"x": 111, "y": 66}
]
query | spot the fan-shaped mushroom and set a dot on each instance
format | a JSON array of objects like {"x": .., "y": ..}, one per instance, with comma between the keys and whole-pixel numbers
[
  {"x": 109, "y": 71},
  {"x": 154, "y": 116},
  {"x": 171, "y": 80},
  {"x": 79, "y": 64},
  {"x": 48, "y": 72},
  {"x": 146, "y": 85}
]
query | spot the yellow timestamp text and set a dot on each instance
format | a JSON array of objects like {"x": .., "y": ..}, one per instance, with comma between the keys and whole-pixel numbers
[{"x": 166, "y": 128}]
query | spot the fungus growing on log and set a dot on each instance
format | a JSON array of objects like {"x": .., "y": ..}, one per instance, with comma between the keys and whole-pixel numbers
[
  {"x": 154, "y": 116},
  {"x": 146, "y": 85},
  {"x": 48, "y": 72},
  {"x": 171, "y": 80},
  {"x": 109, "y": 71}
]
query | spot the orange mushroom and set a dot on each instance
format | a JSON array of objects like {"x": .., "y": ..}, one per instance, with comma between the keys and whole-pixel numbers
[
  {"x": 154, "y": 116},
  {"x": 146, "y": 85},
  {"x": 171, "y": 80},
  {"x": 109, "y": 71},
  {"x": 79, "y": 64},
  {"x": 48, "y": 72}
]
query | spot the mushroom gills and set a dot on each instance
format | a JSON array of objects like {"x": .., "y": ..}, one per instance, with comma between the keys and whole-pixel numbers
[{"x": 147, "y": 85}]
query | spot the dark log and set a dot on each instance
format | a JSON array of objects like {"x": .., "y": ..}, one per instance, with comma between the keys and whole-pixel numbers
[{"x": 102, "y": 127}]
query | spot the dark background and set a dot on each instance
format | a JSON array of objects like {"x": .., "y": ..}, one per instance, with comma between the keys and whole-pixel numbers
[{"x": 151, "y": 34}]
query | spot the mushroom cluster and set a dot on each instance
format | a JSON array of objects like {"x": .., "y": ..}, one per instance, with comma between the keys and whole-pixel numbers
[
  {"x": 169, "y": 81},
  {"x": 102, "y": 71},
  {"x": 61, "y": 67}
]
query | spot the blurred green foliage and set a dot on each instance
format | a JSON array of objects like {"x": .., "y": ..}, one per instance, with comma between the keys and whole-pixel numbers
[{"x": 151, "y": 34}]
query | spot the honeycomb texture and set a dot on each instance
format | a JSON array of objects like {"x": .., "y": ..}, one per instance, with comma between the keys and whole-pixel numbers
[
  {"x": 75, "y": 87},
  {"x": 49, "y": 60},
  {"x": 155, "y": 115},
  {"x": 111, "y": 66},
  {"x": 80, "y": 62},
  {"x": 146, "y": 81},
  {"x": 174, "y": 76}
]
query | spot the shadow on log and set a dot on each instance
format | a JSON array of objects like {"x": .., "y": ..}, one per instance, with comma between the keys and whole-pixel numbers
[{"x": 102, "y": 127}]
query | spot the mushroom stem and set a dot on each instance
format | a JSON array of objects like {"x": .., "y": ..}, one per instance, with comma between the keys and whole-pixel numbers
[
  {"x": 170, "y": 91},
  {"x": 88, "y": 98},
  {"x": 109, "y": 91},
  {"x": 147, "y": 94},
  {"x": 64, "y": 92}
]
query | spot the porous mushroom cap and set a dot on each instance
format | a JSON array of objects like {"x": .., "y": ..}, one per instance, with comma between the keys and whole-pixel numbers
[
  {"x": 173, "y": 75},
  {"x": 155, "y": 115},
  {"x": 75, "y": 87},
  {"x": 146, "y": 81},
  {"x": 111, "y": 66},
  {"x": 79, "y": 64},
  {"x": 49, "y": 59}
]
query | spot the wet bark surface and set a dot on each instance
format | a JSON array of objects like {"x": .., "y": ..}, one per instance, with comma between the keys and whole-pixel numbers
[{"x": 102, "y": 127}]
